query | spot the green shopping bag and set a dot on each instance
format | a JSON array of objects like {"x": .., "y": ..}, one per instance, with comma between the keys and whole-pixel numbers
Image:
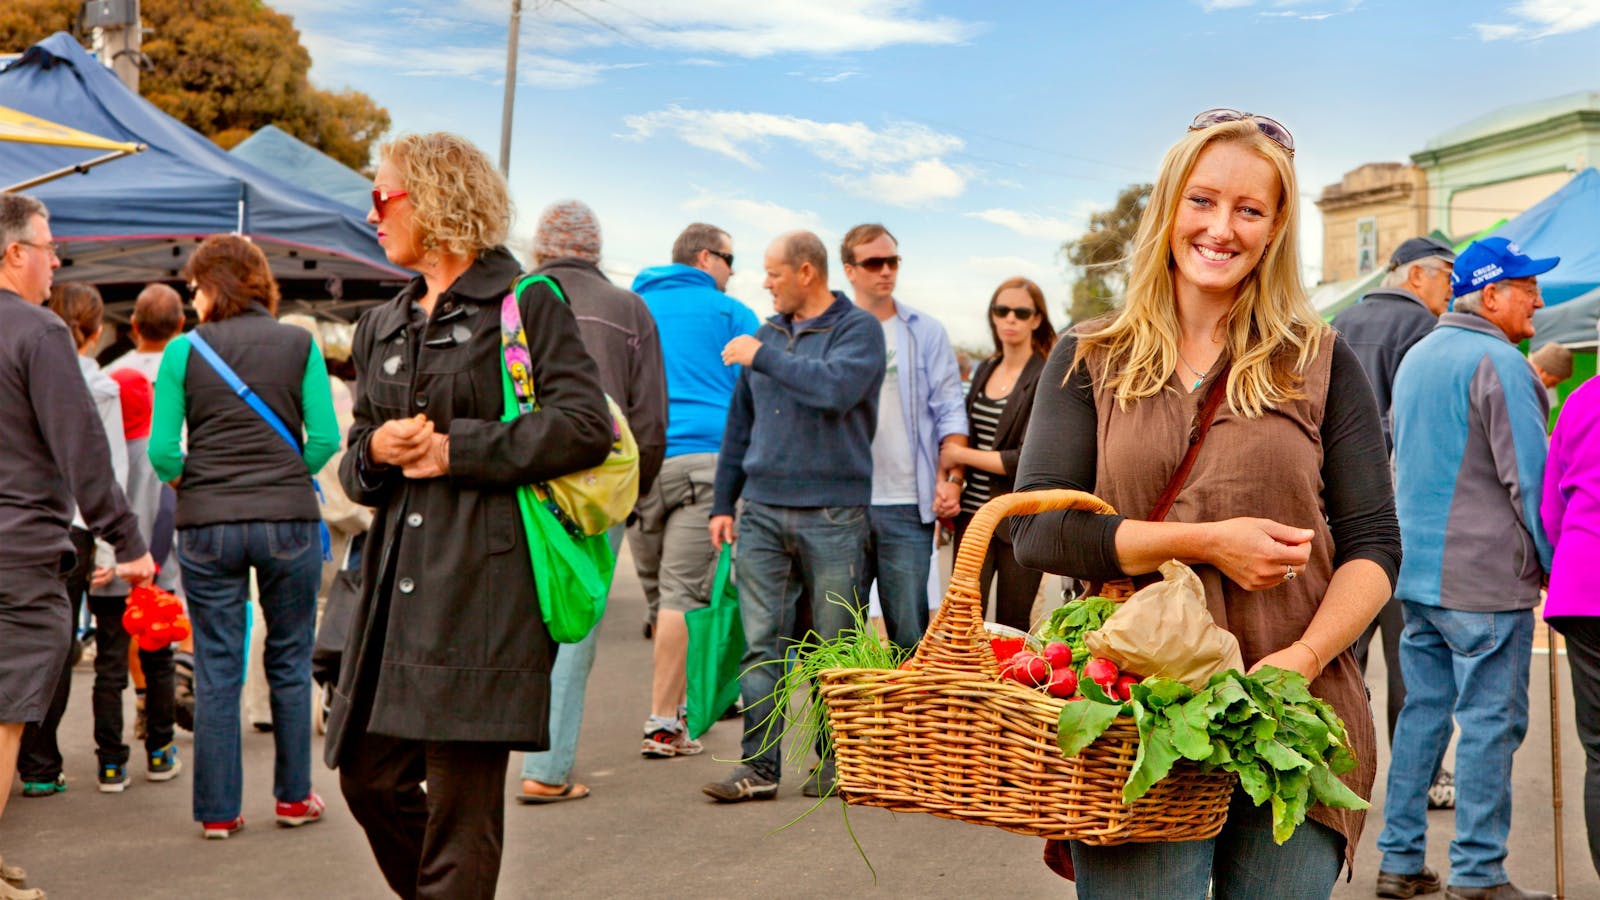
[
  {"x": 572, "y": 575},
  {"x": 716, "y": 646}
]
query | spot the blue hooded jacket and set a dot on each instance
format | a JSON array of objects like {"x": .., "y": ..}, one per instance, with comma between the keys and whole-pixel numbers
[
  {"x": 695, "y": 321},
  {"x": 800, "y": 427}
]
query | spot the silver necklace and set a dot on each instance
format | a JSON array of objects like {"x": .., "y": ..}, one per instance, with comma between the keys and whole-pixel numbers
[{"x": 1200, "y": 376}]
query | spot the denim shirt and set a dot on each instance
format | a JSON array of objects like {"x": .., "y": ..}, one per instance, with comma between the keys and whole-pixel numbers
[{"x": 931, "y": 399}]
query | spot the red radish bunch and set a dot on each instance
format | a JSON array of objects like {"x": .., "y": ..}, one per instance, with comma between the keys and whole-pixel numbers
[{"x": 1052, "y": 670}]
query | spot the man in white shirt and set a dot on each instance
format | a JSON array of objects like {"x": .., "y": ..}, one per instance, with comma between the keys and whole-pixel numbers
[{"x": 157, "y": 319}]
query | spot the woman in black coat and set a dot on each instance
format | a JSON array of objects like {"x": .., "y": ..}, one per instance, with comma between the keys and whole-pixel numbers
[
  {"x": 998, "y": 405},
  {"x": 446, "y": 669}
]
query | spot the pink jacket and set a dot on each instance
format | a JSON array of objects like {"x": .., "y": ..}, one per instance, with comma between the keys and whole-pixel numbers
[{"x": 1571, "y": 506}]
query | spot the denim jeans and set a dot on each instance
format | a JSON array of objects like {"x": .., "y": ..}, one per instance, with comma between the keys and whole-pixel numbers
[
  {"x": 788, "y": 556},
  {"x": 1242, "y": 863},
  {"x": 217, "y": 560},
  {"x": 569, "y": 680},
  {"x": 899, "y": 556},
  {"x": 1475, "y": 664}
]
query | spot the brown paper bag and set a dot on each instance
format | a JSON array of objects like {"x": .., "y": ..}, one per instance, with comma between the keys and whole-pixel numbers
[{"x": 1165, "y": 630}]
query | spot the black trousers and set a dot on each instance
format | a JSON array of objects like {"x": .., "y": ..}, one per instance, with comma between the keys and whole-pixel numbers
[
  {"x": 1583, "y": 656},
  {"x": 39, "y": 757},
  {"x": 1018, "y": 584},
  {"x": 1392, "y": 620},
  {"x": 444, "y": 842},
  {"x": 111, "y": 644}
]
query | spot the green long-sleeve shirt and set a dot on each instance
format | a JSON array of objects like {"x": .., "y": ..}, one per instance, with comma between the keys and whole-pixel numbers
[{"x": 171, "y": 408}]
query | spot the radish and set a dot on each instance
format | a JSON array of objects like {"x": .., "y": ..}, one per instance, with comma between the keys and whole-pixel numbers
[
  {"x": 1103, "y": 672},
  {"x": 1028, "y": 668},
  {"x": 1059, "y": 655},
  {"x": 1124, "y": 686},
  {"x": 1063, "y": 682}
]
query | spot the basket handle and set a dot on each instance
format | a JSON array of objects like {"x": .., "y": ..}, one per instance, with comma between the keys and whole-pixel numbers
[{"x": 955, "y": 639}]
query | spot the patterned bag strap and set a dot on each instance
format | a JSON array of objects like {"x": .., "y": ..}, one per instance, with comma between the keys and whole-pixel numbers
[{"x": 514, "y": 341}]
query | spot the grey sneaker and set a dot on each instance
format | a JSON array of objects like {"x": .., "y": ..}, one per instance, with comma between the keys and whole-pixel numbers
[{"x": 744, "y": 784}]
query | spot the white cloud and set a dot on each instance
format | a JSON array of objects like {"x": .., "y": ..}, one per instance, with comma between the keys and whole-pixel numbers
[
  {"x": 484, "y": 64},
  {"x": 1543, "y": 18},
  {"x": 850, "y": 145},
  {"x": 1031, "y": 225},
  {"x": 763, "y": 217},
  {"x": 919, "y": 184}
]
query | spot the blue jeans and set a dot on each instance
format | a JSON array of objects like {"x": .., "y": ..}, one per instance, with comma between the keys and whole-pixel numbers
[
  {"x": 1475, "y": 664},
  {"x": 217, "y": 560},
  {"x": 789, "y": 556},
  {"x": 569, "y": 681},
  {"x": 899, "y": 557},
  {"x": 1242, "y": 862}
]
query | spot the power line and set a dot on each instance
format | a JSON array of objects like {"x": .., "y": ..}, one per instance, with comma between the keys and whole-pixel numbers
[{"x": 603, "y": 24}]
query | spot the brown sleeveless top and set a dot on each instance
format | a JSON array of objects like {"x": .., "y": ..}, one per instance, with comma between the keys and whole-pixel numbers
[{"x": 1270, "y": 468}]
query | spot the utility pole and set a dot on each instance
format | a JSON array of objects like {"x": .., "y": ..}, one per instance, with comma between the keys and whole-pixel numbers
[
  {"x": 120, "y": 37},
  {"x": 511, "y": 89}
]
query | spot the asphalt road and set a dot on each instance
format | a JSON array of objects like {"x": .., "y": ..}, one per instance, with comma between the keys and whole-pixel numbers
[{"x": 646, "y": 828}]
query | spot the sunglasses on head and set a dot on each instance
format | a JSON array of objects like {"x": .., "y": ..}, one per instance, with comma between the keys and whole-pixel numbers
[
  {"x": 1023, "y": 313},
  {"x": 381, "y": 198},
  {"x": 1272, "y": 128},
  {"x": 876, "y": 263}
]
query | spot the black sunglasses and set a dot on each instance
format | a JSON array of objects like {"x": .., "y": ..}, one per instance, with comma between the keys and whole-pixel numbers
[
  {"x": 725, "y": 257},
  {"x": 1023, "y": 313},
  {"x": 876, "y": 263},
  {"x": 1272, "y": 128}
]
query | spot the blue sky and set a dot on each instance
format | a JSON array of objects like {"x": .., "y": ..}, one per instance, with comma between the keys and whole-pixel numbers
[{"x": 982, "y": 134}]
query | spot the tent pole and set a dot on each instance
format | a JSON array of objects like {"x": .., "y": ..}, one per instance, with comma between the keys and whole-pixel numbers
[{"x": 80, "y": 168}]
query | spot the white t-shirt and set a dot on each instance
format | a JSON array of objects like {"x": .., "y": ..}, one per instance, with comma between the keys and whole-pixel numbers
[
  {"x": 894, "y": 467},
  {"x": 146, "y": 364}
]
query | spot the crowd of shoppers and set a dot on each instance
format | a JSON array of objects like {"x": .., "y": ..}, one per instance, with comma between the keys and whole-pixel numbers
[{"x": 826, "y": 443}]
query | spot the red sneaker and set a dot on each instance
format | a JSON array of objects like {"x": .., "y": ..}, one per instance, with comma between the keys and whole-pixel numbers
[
  {"x": 220, "y": 831},
  {"x": 293, "y": 815}
]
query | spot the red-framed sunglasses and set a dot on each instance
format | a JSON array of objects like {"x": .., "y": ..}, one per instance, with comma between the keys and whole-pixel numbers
[
  {"x": 380, "y": 199},
  {"x": 1272, "y": 128}
]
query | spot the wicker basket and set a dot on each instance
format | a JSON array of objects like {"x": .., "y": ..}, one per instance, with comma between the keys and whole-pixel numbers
[{"x": 949, "y": 738}]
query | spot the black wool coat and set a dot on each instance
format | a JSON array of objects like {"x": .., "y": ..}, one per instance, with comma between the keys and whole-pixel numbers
[{"x": 447, "y": 643}]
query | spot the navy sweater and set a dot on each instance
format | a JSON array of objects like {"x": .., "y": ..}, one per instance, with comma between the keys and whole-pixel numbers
[{"x": 801, "y": 421}]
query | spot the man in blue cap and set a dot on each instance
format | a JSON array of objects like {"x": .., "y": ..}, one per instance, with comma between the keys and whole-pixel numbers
[{"x": 1469, "y": 449}]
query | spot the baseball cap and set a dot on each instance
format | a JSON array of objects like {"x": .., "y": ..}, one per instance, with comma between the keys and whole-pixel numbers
[
  {"x": 1495, "y": 259},
  {"x": 1421, "y": 248}
]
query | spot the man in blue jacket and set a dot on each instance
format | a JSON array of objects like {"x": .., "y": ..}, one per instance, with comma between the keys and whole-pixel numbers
[
  {"x": 920, "y": 407},
  {"x": 695, "y": 320},
  {"x": 797, "y": 450},
  {"x": 1469, "y": 446}
]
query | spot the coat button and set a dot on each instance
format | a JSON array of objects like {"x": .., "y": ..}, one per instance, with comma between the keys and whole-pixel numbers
[
  {"x": 422, "y": 401},
  {"x": 407, "y": 585},
  {"x": 414, "y": 519}
]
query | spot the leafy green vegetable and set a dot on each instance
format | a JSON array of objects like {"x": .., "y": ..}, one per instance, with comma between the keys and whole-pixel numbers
[
  {"x": 1073, "y": 620},
  {"x": 1082, "y": 721},
  {"x": 1287, "y": 747}
]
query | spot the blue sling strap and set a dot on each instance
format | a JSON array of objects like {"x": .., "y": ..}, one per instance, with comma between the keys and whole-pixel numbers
[{"x": 266, "y": 413}]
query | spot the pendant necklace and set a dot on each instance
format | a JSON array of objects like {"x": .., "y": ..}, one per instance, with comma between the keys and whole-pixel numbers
[{"x": 1201, "y": 375}]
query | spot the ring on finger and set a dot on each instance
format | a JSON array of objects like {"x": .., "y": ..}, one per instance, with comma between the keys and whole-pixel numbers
[{"x": 1289, "y": 573}]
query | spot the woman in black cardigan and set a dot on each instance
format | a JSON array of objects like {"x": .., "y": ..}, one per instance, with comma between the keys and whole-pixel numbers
[{"x": 997, "y": 408}]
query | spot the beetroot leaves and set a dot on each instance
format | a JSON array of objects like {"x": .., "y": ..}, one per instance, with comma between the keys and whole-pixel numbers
[{"x": 1287, "y": 747}]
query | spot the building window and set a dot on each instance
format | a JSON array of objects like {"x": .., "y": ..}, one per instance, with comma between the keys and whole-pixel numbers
[{"x": 1366, "y": 245}]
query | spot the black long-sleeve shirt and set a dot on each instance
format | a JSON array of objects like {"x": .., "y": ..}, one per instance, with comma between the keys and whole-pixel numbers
[
  {"x": 55, "y": 447},
  {"x": 1060, "y": 452}
]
